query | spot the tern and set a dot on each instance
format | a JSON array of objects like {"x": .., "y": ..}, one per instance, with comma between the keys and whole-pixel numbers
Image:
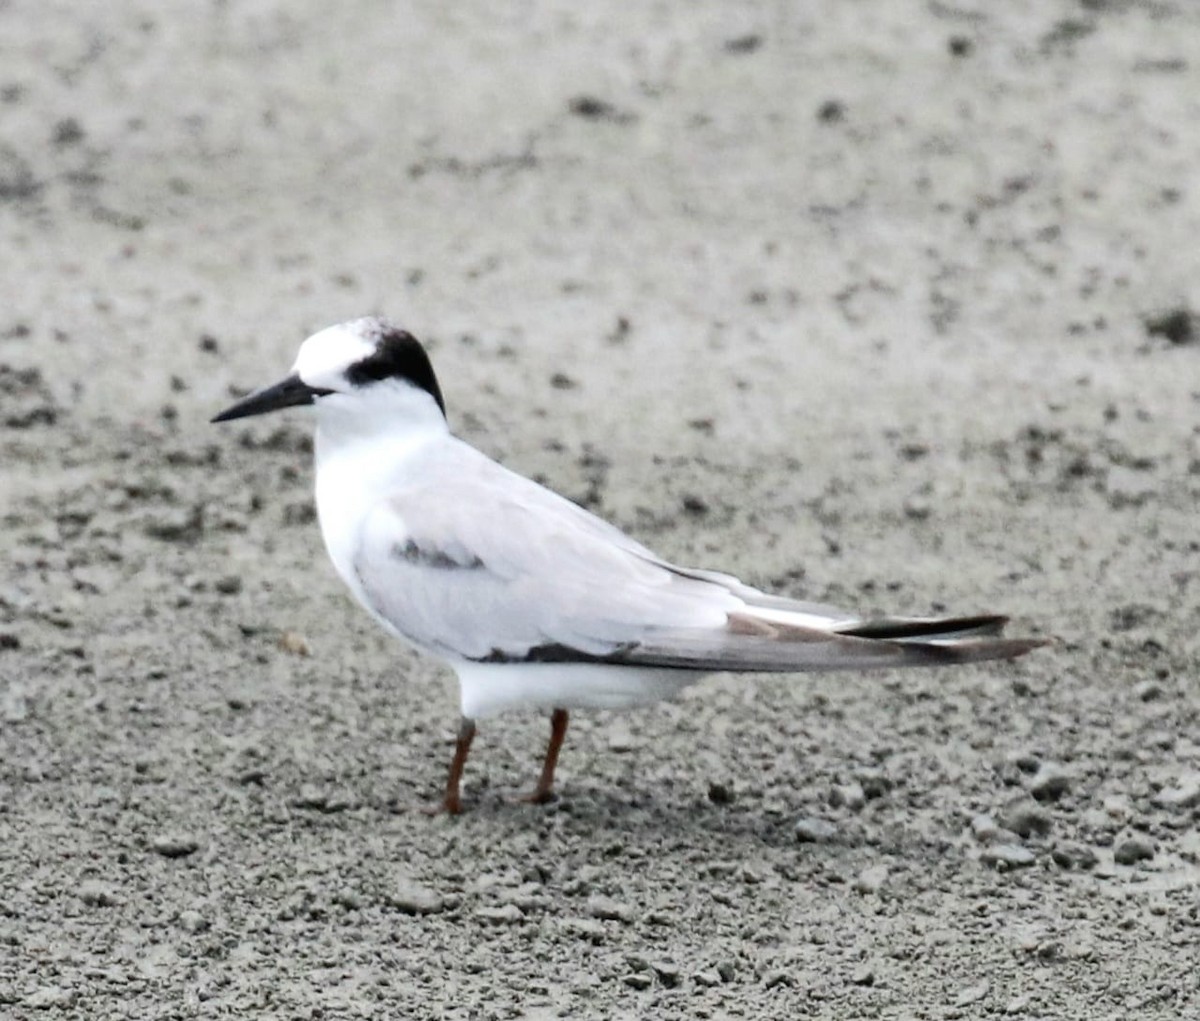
[{"x": 533, "y": 601}]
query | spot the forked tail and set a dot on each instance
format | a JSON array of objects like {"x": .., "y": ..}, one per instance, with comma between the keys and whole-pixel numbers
[{"x": 781, "y": 641}]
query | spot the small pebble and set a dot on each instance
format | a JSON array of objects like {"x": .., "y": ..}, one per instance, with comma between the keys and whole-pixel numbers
[
  {"x": 192, "y": 922},
  {"x": 1025, "y": 760},
  {"x": 720, "y": 794},
  {"x": 779, "y": 977},
  {"x": 588, "y": 928},
  {"x": 349, "y": 899},
  {"x": 972, "y": 994},
  {"x": 1133, "y": 850},
  {"x": 294, "y": 643},
  {"x": 863, "y": 976},
  {"x": 594, "y": 108},
  {"x": 1074, "y": 856},
  {"x": 179, "y": 525},
  {"x": 608, "y": 909},
  {"x": 97, "y": 895},
  {"x": 1177, "y": 325},
  {"x": 849, "y": 796},
  {"x": 1050, "y": 782},
  {"x": 638, "y": 980},
  {"x": 959, "y": 46},
  {"x": 14, "y": 707},
  {"x": 811, "y": 830},
  {"x": 1129, "y": 488},
  {"x": 528, "y": 897},
  {"x": 874, "y": 783},
  {"x": 1117, "y": 806},
  {"x": 1164, "y": 740},
  {"x": 986, "y": 830},
  {"x": 667, "y": 972},
  {"x": 412, "y": 899},
  {"x": 506, "y": 915},
  {"x": 917, "y": 509},
  {"x": 1026, "y": 819},
  {"x": 871, "y": 879},
  {"x": 341, "y": 800},
  {"x": 1185, "y": 794},
  {"x": 620, "y": 740},
  {"x": 49, "y": 997},
  {"x": 708, "y": 978},
  {"x": 831, "y": 111},
  {"x": 329, "y": 802},
  {"x": 1148, "y": 691},
  {"x": 744, "y": 43},
  {"x": 1007, "y": 856},
  {"x": 229, "y": 585},
  {"x": 311, "y": 797},
  {"x": 174, "y": 845}
]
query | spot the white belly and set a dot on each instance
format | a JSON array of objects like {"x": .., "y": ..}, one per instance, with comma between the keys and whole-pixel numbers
[{"x": 490, "y": 688}]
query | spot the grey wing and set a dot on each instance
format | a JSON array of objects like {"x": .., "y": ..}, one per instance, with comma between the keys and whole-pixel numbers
[
  {"x": 493, "y": 567},
  {"x": 483, "y": 564}
]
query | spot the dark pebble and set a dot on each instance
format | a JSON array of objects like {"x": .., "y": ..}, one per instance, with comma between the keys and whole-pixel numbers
[
  {"x": 743, "y": 44},
  {"x": 1050, "y": 783},
  {"x": 1133, "y": 850},
  {"x": 1074, "y": 856},
  {"x": 720, "y": 794},
  {"x": 174, "y": 846},
  {"x": 1026, "y": 819}
]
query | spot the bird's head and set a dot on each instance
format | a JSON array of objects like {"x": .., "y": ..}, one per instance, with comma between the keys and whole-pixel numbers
[{"x": 368, "y": 365}]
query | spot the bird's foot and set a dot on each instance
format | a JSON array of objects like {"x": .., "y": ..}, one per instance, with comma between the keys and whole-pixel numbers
[
  {"x": 538, "y": 796},
  {"x": 447, "y": 806},
  {"x": 430, "y": 808}
]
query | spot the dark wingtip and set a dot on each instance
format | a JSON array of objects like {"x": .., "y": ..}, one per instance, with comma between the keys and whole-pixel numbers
[{"x": 899, "y": 629}]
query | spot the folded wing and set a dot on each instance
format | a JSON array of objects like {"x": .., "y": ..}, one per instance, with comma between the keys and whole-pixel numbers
[{"x": 482, "y": 564}]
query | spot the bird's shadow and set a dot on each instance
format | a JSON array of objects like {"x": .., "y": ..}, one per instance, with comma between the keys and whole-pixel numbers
[{"x": 654, "y": 820}]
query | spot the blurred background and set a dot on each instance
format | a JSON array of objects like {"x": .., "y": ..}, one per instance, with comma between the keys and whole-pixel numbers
[{"x": 887, "y": 304}]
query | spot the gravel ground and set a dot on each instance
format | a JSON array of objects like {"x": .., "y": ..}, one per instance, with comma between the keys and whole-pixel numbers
[{"x": 882, "y": 304}]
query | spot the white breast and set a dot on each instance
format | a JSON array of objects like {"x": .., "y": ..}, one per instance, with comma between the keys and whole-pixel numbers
[{"x": 354, "y": 474}]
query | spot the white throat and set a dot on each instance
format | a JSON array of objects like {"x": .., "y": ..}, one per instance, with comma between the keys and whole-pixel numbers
[
  {"x": 389, "y": 408},
  {"x": 365, "y": 442}
]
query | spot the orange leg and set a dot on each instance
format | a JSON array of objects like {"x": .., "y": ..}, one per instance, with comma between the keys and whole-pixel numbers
[
  {"x": 544, "y": 791},
  {"x": 452, "y": 802}
]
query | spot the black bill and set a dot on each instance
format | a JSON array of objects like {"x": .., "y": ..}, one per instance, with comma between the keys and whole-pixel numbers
[{"x": 287, "y": 393}]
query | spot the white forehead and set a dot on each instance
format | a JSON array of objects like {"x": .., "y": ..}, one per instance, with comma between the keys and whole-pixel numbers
[{"x": 325, "y": 356}]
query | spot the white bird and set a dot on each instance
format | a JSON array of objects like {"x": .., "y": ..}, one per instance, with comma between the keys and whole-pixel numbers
[{"x": 532, "y": 600}]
